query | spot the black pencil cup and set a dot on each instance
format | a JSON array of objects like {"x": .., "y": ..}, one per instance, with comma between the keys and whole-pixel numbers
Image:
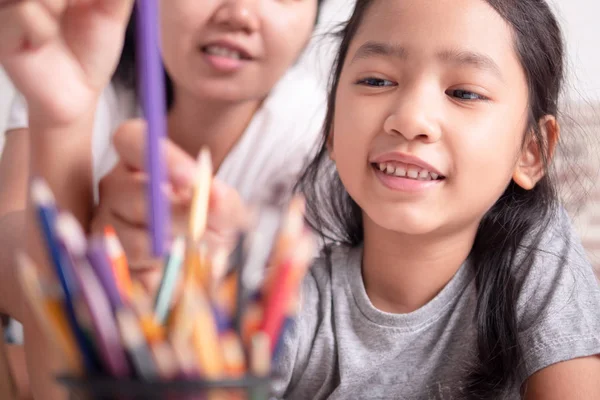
[{"x": 247, "y": 388}]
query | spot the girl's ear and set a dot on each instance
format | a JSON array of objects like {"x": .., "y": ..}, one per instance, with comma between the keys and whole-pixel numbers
[{"x": 530, "y": 166}]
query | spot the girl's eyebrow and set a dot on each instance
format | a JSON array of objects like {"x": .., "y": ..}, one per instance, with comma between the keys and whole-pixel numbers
[
  {"x": 373, "y": 49},
  {"x": 471, "y": 58},
  {"x": 451, "y": 56}
]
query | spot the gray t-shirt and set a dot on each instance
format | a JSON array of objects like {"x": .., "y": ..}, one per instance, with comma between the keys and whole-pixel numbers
[{"x": 342, "y": 347}]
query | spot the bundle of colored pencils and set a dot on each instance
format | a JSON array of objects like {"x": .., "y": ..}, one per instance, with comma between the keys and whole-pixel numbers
[{"x": 204, "y": 323}]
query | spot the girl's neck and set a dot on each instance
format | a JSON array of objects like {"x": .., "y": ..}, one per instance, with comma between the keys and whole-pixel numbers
[
  {"x": 402, "y": 273},
  {"x": 196, "y": 122}
]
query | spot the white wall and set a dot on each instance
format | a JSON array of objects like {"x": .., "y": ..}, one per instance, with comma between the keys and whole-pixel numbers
[{"x": 579, "y": 20}]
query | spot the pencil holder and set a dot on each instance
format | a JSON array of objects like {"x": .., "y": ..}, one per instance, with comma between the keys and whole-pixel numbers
[
  {"x": 247, "y": 388},
  {"x": 215, "y": 340}
]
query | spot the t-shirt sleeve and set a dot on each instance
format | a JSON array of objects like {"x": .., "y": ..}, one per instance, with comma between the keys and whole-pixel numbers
[
  {"x": 559, "y": 302},
  {"x": 293, "y": 354},
  {"x": 18, "y": 116}
]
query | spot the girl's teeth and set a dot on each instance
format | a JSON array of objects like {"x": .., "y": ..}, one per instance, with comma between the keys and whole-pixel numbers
[
  {"x": 400, "y": 171},
  {"x": 404, "y": 171},
  {"x": 413, "y": 173}
]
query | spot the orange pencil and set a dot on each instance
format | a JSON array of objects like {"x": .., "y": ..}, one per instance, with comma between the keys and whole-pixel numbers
[
  {"x": 233, "y": 355},
  {"x": 252, "y": 321},
  {"x": 181, "y": 321},
  {"x": 119, "y": 262},
  {"x": 48, "y": 311},
  {"x": 205, "y": 338},
  {"x": 289, "y": 233},
  {"x": 142, "y": 306},
  {"x": 286, "y": 284}
]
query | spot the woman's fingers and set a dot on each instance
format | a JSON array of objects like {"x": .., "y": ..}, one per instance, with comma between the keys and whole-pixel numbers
[
  {"x": 130, "y": 143},
  {"x": 23, "y": 25}
]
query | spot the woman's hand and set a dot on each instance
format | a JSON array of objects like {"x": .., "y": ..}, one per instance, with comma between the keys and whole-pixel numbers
[
  {"x": 123, "y": 203},
  {"x": 60, "y": 54}
]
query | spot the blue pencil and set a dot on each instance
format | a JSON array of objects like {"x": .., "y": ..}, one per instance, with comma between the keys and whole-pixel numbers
[
  {"x": 43, "y": 199},
  {"x": 154, "y": 105}
]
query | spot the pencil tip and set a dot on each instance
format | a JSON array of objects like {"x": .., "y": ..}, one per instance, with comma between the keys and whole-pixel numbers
[
  {"x": 41, "y": 193},
  {"x": 69, "y": 230}
]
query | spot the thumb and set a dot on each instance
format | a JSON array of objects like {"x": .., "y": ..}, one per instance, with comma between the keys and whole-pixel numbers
[{"x": 130, "y": 141}]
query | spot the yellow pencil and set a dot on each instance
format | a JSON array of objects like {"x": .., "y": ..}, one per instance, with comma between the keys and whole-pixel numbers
[
  {"x": 260, "y": 354},
  {"x": 48, "y": 311},
  {"x": 198, "y": 214}
]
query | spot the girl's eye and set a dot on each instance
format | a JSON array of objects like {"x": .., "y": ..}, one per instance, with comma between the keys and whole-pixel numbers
[
  {"x": 465, "y": 95},
  {"x": 375, "y": 82}
]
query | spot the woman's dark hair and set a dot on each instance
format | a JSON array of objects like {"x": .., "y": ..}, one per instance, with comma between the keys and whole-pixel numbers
[
  {"x": 126, "y": 72},
  {"x": 510, "y": 231}
]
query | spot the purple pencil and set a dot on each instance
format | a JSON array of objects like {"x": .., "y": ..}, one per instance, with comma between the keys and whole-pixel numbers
[
  {"x": 98, "y": 259},
  {"x": 152, "y": 95}
]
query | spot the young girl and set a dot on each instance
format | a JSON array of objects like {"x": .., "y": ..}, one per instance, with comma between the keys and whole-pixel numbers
[
  {"x": 233, "y": 87},
  {"x": 455, "y": 275}
]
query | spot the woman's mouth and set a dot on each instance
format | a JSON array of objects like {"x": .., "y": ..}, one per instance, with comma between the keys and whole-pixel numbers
[
  {"x": 224, "y": 58},
  {"x": 225, "y": 51}
]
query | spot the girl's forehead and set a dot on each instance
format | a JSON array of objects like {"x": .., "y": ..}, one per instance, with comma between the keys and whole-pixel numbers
[{"x": 470, "y": 24}]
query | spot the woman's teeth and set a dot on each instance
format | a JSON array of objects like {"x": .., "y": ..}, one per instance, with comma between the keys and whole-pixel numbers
[
  {"x": 223, "y": 52},
  {"x": 407, "y": 171}
]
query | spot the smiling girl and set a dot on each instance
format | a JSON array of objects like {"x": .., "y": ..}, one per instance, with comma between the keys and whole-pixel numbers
[{"x": 456, "y": 274}]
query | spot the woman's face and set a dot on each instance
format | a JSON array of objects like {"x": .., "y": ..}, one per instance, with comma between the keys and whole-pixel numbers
[{"x": 233, "y": 50}]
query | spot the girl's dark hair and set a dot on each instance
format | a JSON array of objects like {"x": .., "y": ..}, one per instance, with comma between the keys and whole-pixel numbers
[
  {"x": 510, "y": 231},
  {"x": 126, "y": 72}
]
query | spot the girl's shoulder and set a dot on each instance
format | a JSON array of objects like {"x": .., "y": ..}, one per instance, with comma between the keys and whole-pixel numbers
[{"x": 558, "y": 300}]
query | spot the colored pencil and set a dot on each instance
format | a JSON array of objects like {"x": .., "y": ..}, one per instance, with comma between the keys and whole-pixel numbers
[
  {"x": 132, "y": 338},
  {"x": 48, "y": 311},
  {"x": 100, "y": 262},
  {"x": 45, "y": 204},
  {"x": 43, "y": 199},
  {"x": 260, "y": 356},
  {"x": 205, "y": 339},
  {"x": 154, "y": 104},
  {"x": 119, "y": 263},
  {"x": 107, "y": 335},
  {"x": 201, "y": 196},
  {"x": 169, "y": 280}
]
